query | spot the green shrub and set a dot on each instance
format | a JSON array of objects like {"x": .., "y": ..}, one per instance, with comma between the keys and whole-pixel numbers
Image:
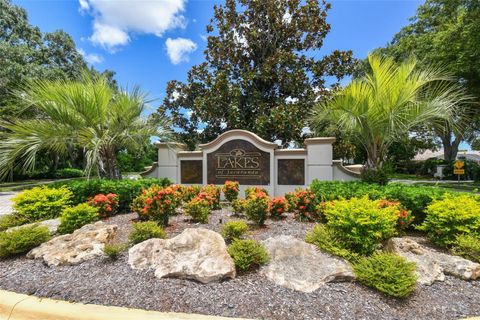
[
  {"x": 388, "y": 273},
  {"x": 142, "y": 231},
  {"x": 257, "y": 207},
  {"x": 113, "y": 251},
  {"x": 233, "y": 230},
  {"x": 76, "y": 217},
  {"x": 10, "y": 220},
  {"x": 450, "y": 217},
  {"x": 127, "y": 190},
  {"x": 361, "y": 223},
  {"x": 467, "y": 246},
  {"x": 379, "y": 176},
  {"x": 326, "y": 239},
  {"x": 22, "y": 240},
  {"x": 41, "y": 203},
  {"x": 238, "y": 206},
  {"x": 68, "y": 173},
  {"x": 198, "y": 209},
  {"x": 230, "y": 190},
  {"x": 248, "y": 254}
]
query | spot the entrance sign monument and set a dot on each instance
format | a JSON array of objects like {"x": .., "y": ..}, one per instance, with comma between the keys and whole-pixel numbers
[{"x": 242, "y": 156}]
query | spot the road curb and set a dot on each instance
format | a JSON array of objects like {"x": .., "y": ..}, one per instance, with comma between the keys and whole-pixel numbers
[{"x": 15, "y": 306}]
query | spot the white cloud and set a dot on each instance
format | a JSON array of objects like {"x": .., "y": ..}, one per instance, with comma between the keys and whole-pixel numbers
[
  {"x": 204, "y": 37},
  {"x": 91, "y": 58},
  {"x": 178, "y": 49},
  {"x": 115, "y": 21}
]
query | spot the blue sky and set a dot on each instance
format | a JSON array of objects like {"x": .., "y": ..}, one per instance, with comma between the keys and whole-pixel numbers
[{"x": 132, "y": 37}]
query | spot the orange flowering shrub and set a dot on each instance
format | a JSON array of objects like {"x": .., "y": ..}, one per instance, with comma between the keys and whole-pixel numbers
[
  {"x": 189, "y": 192},
  {"x": 157, "y": 203},
  {"x": 304, "y": 204},
  {"x": 231, "y": 189},
  {"x": 278, "y": 206},
  {"x": 106, "y": 205},
  {"x": 257, "y": 207},
  {"x": 199, "y": 209},
  {"x": 252, "y": 190},
  {"x": 212, "y": 194},
  {"x": 405, "y": 217}
]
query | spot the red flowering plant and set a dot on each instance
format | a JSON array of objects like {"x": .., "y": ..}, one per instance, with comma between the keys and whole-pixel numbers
[
  {"x": 189, "y": 192},
  {"x": 278, "y": 206},
  {"x": 405, "y": 217},
  {"x": 156, "y": 203},
  {"x": 257, "y": 207},
  {"x": 106, "y": 205},
  {"x": 211, "y": 192},
  {"x": 305, "y": 205},
  {"x": 230, "y": 190},
  {"x": 252, "y": 190}
]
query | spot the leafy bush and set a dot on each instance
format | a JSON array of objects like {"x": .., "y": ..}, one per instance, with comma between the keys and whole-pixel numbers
[
  {"x": 189, "y": 192},
  {"x": 142, "y": 231},
  {"x": 76, "y": 217},
  {"x": 230, "y": 190},
  {"x": 41, "y": 203},
  {"x": 68, "y": 173},
  {"x": 278, "y": 206},
  {"x": 22, "y": 240},
  {"x": 212, "y": 194},
  {"x": 156, "y": 203},
  {"x": 388, "y": 273},
  {"x": 113, "y": 251},
  {"x": 326, "y": 239},
  {"x": 198, "y": 209},
  {"x": 467, "y": 246},
  {"x": 304, "y": 204},
  {"x": 127, "y": 190},
  {"x": 361, "y": 223},
  {"x": 106, "y": 204},
  {"x": 256, "y": 207},
  {"x": 248, "y": 254},
  {"x": 10, "y": 220},
  {"x": 233, "y": 230},
  {"x": 404, "y": 218},
  {"x": 450, "y": 217},
  {"x": 238, "y": 206},
  {"x": 379, "y": 176},
  {"x": 253, "y": 190}
]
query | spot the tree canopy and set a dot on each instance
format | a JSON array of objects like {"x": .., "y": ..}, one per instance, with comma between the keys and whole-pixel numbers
[{"x": 263, "y": 72}]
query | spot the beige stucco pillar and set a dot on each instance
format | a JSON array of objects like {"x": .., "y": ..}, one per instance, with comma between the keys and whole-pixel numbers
[
  {"x": 319, "y": 158},
  {"x": 168, "y": 160}
]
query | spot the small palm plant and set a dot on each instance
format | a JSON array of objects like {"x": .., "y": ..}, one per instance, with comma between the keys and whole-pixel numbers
[
  {"x": 390, "y": 101},
  {"x": 86, "y": 114}
]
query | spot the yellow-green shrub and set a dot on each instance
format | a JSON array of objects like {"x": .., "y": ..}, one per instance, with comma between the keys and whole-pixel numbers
[
  {"x": 76, "y": 217},
  {"x": 10, "y": 220},
  {"x": 199, "y": 209},
  {"x": 233, "y": 230},
  {"x": 361, "y": 223},
  {"x": 22, "y": 240},
  {"x": 326, "y": 239},
  {"x": 248, "y": 254},
  {"x": 41, "y": 203},
  {"x": 257, "y": 207},
  {"x": 450, "y": 217},
  {"x": 142, "y": 231},
  {"x": 388, "y": 273},
  {"x": 238, "y": 206},
  {"x": 467, "y": 246}
]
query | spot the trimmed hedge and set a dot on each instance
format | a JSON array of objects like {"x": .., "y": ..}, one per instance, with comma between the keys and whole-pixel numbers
[
  {"x": 127, "y": 190},
  {"x": 413, "y": 198}
]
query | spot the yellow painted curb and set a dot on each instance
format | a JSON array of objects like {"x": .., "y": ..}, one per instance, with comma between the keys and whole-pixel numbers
[{"x": 14, "y": 306}]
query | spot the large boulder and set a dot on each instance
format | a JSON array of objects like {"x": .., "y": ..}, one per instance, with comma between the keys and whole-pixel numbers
[
  {"x": 300, "y": 266},
  {"x": 83, "y": 244},
  {"x": 432, "y": 265},
  {"x": 196, "y": 253},
  {"x": 51, "y": 224}
]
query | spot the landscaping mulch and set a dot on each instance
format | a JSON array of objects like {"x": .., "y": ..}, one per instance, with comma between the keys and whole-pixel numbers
[{"x": 101, "y": 281}]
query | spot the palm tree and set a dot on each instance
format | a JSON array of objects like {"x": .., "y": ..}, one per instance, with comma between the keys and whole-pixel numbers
[
  {"x": 86, "y": 114},
  {"x": 388, "y": 102}
]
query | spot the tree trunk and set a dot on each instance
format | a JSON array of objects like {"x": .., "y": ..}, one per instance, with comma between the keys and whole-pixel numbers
[
  {"x": 450, "y": 148},
  {"x": 111, "y": 169}
]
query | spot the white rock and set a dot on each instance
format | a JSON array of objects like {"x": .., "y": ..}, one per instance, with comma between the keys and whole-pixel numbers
[
  {"x": 431, "y": 264},
  {"x": 196, "y": 253},
  {"x": 300, "y": 266},
  {"x": 51, "y": 224},
  {"x": 83, "y": 244}
]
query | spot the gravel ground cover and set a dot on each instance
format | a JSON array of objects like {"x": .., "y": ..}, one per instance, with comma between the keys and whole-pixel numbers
[{"x": 106, "y": 282}]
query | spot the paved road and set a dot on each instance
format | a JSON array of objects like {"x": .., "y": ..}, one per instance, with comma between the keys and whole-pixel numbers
[{"x": 5, "y": 203}]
